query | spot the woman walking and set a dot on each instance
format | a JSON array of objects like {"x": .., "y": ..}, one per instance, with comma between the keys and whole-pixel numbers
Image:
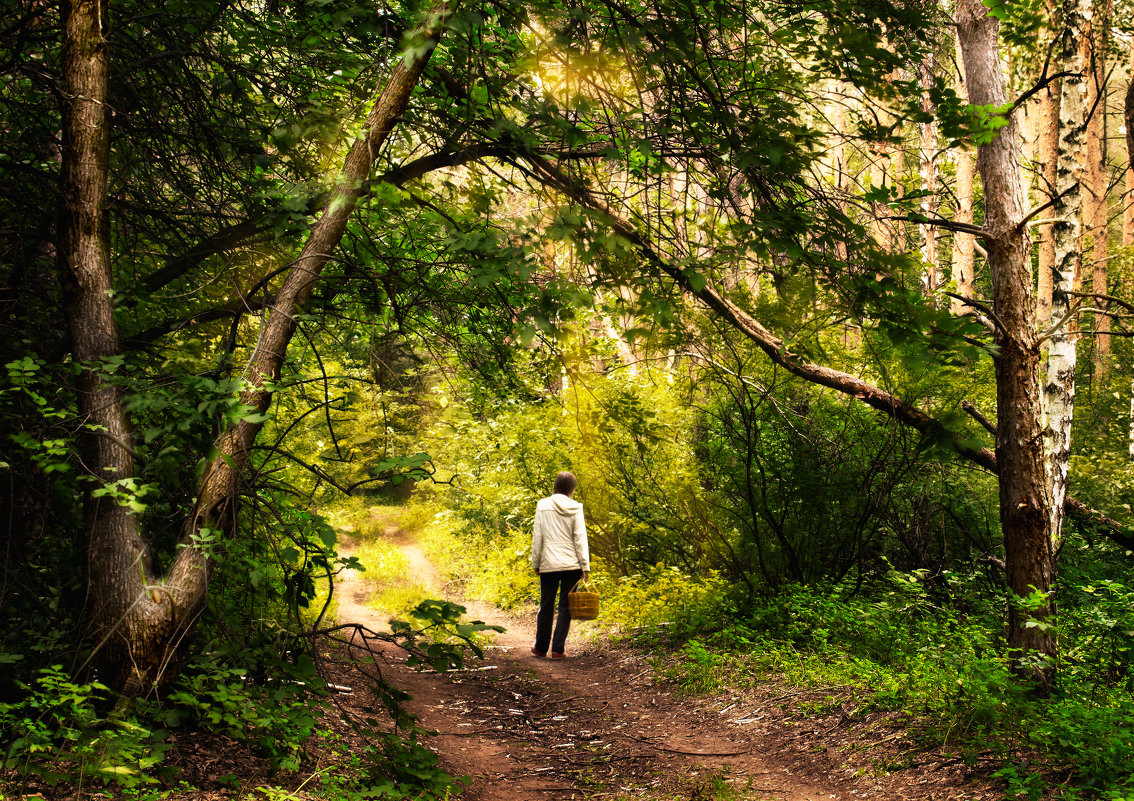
[{"x": 561, "y": 558}]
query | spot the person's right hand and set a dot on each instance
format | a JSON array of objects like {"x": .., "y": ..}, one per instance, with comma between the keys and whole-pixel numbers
[{"x": 586, "y": 575}]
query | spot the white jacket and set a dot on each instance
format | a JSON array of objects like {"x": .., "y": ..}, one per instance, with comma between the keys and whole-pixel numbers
[{"x": 559, "y": 536}]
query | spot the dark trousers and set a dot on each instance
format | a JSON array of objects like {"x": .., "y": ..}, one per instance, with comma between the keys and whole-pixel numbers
[{"x": 560, "y": 582}]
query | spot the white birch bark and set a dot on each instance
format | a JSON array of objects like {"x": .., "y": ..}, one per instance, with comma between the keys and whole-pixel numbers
[
  {"x": 1131, "y": 435},
  {"x": 1059, "y": 387},
  {"x": 1095, "y": 206},
  {"x": 1047, "y": 149},
  {"x": 1026, "y": 513}
]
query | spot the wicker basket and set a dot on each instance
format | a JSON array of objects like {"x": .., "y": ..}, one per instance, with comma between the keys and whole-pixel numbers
[{"x": 582, "y": 604}]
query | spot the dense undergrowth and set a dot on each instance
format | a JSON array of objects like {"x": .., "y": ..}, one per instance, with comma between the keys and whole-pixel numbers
[
  {"x": 912, "y": 646},
  {"x": 784, "y": 534},
  {"x": 256, "y": 686}
]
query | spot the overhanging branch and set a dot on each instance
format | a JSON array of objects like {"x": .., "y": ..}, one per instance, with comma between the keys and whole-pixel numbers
[{"x": 778, "y": 352}]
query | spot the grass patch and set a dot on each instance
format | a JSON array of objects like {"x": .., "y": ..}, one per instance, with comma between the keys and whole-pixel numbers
[
  {"x": 389, "y": 573},
  {"x": 497, "y": 571},
  {"x": 902, "y": 653}
]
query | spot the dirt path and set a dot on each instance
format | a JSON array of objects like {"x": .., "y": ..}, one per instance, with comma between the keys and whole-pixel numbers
[{"x": 596, "y": 725}]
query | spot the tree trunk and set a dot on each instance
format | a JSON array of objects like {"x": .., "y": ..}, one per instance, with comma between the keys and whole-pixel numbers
[
  {"x": 1047, "y": 151},
  {"x": 1059, "y": 388},
  {"x": 1096, "y": 184},
  {"x": 1027, "y": 508},
  {"x": 963, "y": 265},
  {"x": 1128, "y": 119},
  {"x": 122, "y": 606},
  {"x": 1128, "y": 213},
  {"x": 144, "y": 623},
  {"x": 928, "y": 159}
]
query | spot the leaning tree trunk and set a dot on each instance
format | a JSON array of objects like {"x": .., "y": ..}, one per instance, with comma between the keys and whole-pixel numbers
[
  {"x": 1027, "y": 512},
  {"x": 141, "y": 622}
]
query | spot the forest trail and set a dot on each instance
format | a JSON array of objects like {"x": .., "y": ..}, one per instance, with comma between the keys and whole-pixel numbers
[{"x": 598, "y": 725}]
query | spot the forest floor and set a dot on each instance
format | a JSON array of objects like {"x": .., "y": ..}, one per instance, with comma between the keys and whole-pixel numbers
[{"x": 601, "y": 724}]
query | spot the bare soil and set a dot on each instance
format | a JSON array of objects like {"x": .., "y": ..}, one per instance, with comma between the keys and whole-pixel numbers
[
  {"x": 597, "y": 725},
  {"x": 600, "y": 725}
]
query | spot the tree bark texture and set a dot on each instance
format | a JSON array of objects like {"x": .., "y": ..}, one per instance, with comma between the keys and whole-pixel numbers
[
  {"x": 1047, "y": 151},
  {"x": 1059, "y": 386},
  {"x": 1096, "y": 182},
  {"x": 1047, "y": 157},
  {"x": 964, "y": 244},
  {"x": 963, "y": 272},
  {"x": 123, "y": 605},
  {"x": 1128, "y": 212},
  {"x": 1027, "y": 509},
  {"x": 1128, "y": 119},
  {"x": 143, "y": 622},
  {"x": 928, "y": 163}
]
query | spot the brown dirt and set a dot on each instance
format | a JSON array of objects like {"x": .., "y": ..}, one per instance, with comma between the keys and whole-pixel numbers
[{"x": 600, "y": 725}]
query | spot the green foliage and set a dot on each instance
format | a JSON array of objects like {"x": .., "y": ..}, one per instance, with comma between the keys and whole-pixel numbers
[
  {"x": 278, "y": 711},
  {"x": 817, "y": 488},
  {"x": 59, "y": 733},
  {"x": 623, "y": 437},
  {"x": 664, "y": 601},
  {"x": 441, "y": 642},
  {"x": 698, "y": 670},
  {"x": 935, "y": 660},
  {"x": 497, "y": 569},
  {"x": 400, "y": 767}
]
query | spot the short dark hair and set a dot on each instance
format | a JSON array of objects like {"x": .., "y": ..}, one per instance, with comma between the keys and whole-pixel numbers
[{"x": 565, "y": 483}]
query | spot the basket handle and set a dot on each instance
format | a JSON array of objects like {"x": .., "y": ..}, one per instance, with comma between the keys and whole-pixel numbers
[{"x": 582, "y": 582}]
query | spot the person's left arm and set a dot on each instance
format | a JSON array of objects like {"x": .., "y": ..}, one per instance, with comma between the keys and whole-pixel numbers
[{"x": 582, "y": 548}]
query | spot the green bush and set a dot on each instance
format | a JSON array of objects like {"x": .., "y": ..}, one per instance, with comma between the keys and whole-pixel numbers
[
  {"x": 664, "y": 600},
  {"x": 279, "y": 712},
  {"x": 497, "y": 569},
  {"x": 60, "y": 732}
]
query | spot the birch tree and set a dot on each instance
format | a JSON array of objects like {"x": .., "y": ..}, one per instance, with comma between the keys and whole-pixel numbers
[
  {"x": 1059, "y": 389},
  {"x": 1047, "y": 151},
  {"x": 1096, "y": 179}
]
